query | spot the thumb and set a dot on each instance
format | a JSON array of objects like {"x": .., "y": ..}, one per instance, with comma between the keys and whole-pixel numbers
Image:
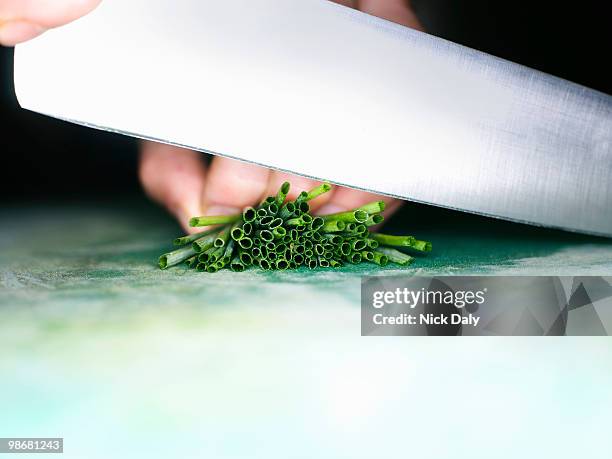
[{"x": 21, "y": 20}]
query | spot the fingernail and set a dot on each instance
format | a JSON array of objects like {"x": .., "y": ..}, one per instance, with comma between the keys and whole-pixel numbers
[
  {"x": 222, "y": 210},
  {"x": 330, "y": 209},
  {"x": 16, "y": 31}
]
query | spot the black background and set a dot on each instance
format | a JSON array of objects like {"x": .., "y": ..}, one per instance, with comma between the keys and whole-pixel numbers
[{"x": 45, "y": 159}]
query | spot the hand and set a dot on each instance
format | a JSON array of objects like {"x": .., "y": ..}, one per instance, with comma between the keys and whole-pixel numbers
[
  {"x": 22, "y": 20},
  {"x": 180, "y": 180}
]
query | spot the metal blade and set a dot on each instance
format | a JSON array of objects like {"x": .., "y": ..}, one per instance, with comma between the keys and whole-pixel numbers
[{"x": 311, "y": 87}]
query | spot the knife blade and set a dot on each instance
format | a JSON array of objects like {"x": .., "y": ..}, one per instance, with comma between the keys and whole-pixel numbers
[{"x": 314, "y": 88}]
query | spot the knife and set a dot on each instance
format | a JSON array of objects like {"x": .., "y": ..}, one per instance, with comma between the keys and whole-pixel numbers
[{"x": 321, "y": 90}]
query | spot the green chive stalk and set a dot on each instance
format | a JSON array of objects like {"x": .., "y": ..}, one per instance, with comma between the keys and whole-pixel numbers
[
  {"x": 395, "y": 256},
  {"x": 214, "y": 220}
]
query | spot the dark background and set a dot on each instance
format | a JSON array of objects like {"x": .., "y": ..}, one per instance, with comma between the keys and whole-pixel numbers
[{"x": 43, "y": 158}]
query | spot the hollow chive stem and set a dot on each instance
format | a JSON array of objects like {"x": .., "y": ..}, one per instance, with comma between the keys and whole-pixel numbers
[
  {"x": 380, "y": 259},
  {"x": 237, "y": 265},
  {"x": 287, "y": 211},
  {"x": 177, "y": 256},
  {"x": 333, "y": 226},
  {"x": 395, "y": 256},
  {"x": 373, "y": 207},
  {"x": 228, "y": 253},
  {"x": 401, "y": 241},
  {"x": 223, "y": 236},
  {"x": 279, "y": 232},
  {"x": 374, "y": 220},
  {"x": 300, "y": 221},
  {"x": 204, "y": 243},
  {"x": 317, "y": 191},
  {"x": 214, "y": 220},
  {"x": 192, "y": 262},
  {"x": 249, "y": 214},
  {"x": 282, "y": 193},
  {"x": 351, "y": 216},
  {"x": 192, "y": 237}
]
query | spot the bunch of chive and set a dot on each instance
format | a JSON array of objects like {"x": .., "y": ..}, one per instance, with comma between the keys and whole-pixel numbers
[{"x": 280, "y": 234}]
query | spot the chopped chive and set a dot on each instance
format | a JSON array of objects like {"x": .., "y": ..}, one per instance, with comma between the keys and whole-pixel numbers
[
  {"x": 301, "y": 197},
  {"x": 308, "y": 253},
  {"x": 358, "y": 244},
  {"x": 261, "y": 212},
  {"x": 345, "y": 248},
  {"x": 246, "y": 259},
  {"x": 192, "y": 237},
  {"x": 205, "y": 256},
  {"x": 316, "y": 223},
  {"x": 402, "y": 241},
  {"x": 265, "y": 235},
  {"x": 264, "y": 264},
  {"x": 333, "y": 226},
  {"x": 201, "y": 267},
  {"x": 287, "y": 211},
  {"x": 245, "y": 242},
  {"x": 282, "y": 264},
  {"x": 380, "y": 259},
  {"x": 318, "y": 249},
  {"x": 237, "y": 265},
  {"x": 282, "y": 193},
  {"x": 376, "y": 219},
  {"x": 237, "y": 234},
  {"x": 249, "y": 214},
  {"x": 334, "y": 238},
  {"x": 279, "y": 232},
  {"x": 395, "y": 256},
  {"x": 204, "y": 243},
  {"x": 298, "y": 258},
  {"x": 299, "y": 249},
  {"x": 312, "y": 263},
  {"x": 265, "y": 221},
  {"x": 323, "y": 263},
  {"x": 373, "y": 207},
  {"x": 270, "y": 246},
  {"x": 373, "y": 243},
  {"x": 276, "y": 223},
  {"x": 272, "y": 209},
  {"x": 300, "y": 221},
  {"x": 355, "y": 216},
  {"x": 256, "y": 252},
  {"x": 293, "y": 265},
  {"x": 302, "y": 207},
  {"x": 317, "y": 191},
  {"x": 335, "y": 264},
  {"x": 367, "y": 255},
  {"x": 353, "y": 257},
  {"x": 247, "y": 228},
  {"x": 212, "y": 269},
  {"x": 272, "y": 256},
  {"x": 222, "y": 237},
  {"x": 423, "y": 246},
  {"x": 214, "y": 220},
  {"x": 191, "y": 262}
]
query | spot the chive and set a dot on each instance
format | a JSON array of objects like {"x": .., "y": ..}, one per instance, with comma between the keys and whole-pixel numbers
[
  {"x": 299, "y": 249},
  {"x": 287, "y": 239},
  {"x": 279, "y": 232},
  {"x": 317, "y": 191},
  {"x": 373, "y": 243},
  {"x": 191, "y": 262},
  {"x": 353, "y": 257},
  {"x": 245, "y": 242},
  {"x": 356, "y": 216},
  {"x": 351, "y": 227},
  {"x": 293, "y": 265},
  {"x": 334, "y": 238},
  {"x": 237, "y": 234},
  {"x": 264, "y": 264},
  {"x": 402, "y": 241},
  {"x": 287, "y": 211},
  {"x": 395, "y": 256},
  {"x": 272, "y": 209},
  {"x": 281, "y": 263},
  {"x": 374, "y": 220},
  {"x": 270, "y": 246},
  {"x": 256, "y": 241},
  {"x": 212, "y": 269},
  {"x": 216, "y": 255},
  {"x": 261, "y": 212},
  {"x": 318, "y": 249},
  {"x": 201, "y": 267},
  {"x": 256, "y": 252},
  {"x": 328, "y": 254},
  {"x": 335, "y": 264},
  {"x": 312, "y": 263},
  {"x": 308, "y": 253},
  {"x": 301, "y": 197},
  {"x": 293, "y": 234},
  {"x": 265, "y": 221},
  {"x": 323, "y": 263},
  {"x": 192, "y": 237},
  {"x": 237, "y": 265},
  {"x": 204, "y": 257},
  {"x": 204, "y": 243},
  {"x": 373, "y": 207},
  {"x": 317, "y": 223},
  {"x": 249, "y": 214},
  {"x": 380, "y": 259},
  {"x": 222, "y": 237},
  {"x": 229, "y": 251},
  {"x": 358, "y": 244},
  {"x": 288, "y": 255},
  {"x": 281, "y": 247},
  {"x": 300, "y": 221},
  {"x": 272, "y": 256},
  {"x": 302, "y": 207},
  {"x": 246, "y": 259},
  {"x": 345, "y": 248},
  {"x": 333, "y": 226},
  {"x": 214, "y": 220},
  {"x": 298, "y": 259},
  {"x": 367, "y": 255},
  {"x": 247, "y": 228},
  {"x": 282, "y": 193},
  {"x": 265, "y": 235},
  {"x": 276, "y": 223}
]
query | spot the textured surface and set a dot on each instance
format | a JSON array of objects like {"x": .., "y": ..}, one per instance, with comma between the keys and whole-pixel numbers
[{"x": 124, "y": 360}]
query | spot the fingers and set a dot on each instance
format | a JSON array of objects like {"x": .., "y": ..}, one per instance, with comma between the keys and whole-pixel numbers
[
  {"x": 398, "y": 11},
  {"x": 174, "y": 177},
  {"x": 344, "y": 199},
  {"x": 21, "y": 20},
  {"x": 232, "y": 185}
]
